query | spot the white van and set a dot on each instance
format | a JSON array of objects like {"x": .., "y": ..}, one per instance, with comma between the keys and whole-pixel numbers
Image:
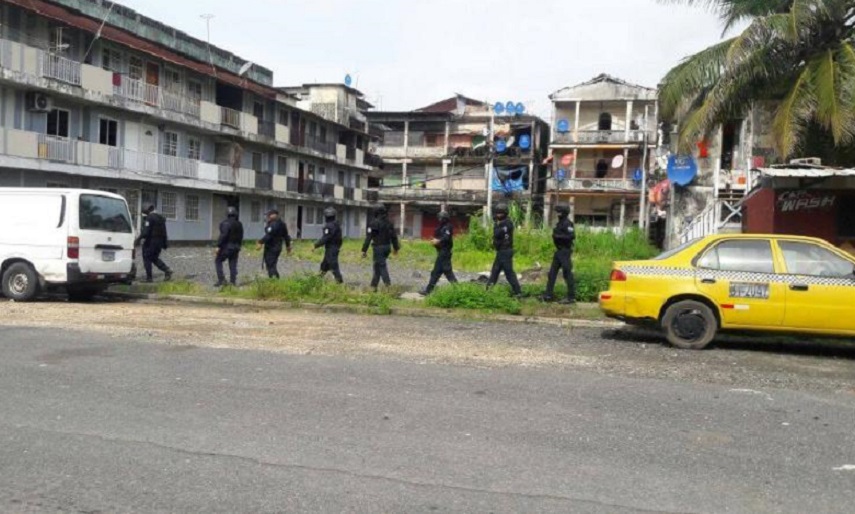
[{"x": 72, "y": 239}]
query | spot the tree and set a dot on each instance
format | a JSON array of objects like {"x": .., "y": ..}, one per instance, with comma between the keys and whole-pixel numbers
[{"x": 799, "y": 53}]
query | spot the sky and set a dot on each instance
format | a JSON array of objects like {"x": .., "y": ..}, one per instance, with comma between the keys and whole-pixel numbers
[{"x": 405, "y": 54}]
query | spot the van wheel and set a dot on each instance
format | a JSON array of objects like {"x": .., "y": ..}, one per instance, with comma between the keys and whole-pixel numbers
[
  {"x": 84, "y": 294},
  {"x": 689, "y": 325},
  {"x": 20, "y": 282}
]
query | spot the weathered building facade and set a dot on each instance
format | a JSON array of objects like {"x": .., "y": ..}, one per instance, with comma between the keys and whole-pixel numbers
[
  {"x": 95, "y": 95},
  {"x": 440, "y": 157}
]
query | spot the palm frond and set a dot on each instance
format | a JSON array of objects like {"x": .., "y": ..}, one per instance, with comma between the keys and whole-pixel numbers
[
  {"x": 797, "y": 107},
  {"x": 695, "y": 73}
]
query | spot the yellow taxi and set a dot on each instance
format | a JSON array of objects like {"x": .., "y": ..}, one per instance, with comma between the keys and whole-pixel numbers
[{"x": 744, "y": 282}]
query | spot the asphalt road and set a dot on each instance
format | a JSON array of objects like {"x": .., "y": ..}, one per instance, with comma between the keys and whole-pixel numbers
[{"x": 99, "y": 423}]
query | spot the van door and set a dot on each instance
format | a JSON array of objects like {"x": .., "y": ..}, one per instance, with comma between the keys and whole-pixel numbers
[
  {"x": 106, "y": 236},
  {"x": 34, "y": 227}
]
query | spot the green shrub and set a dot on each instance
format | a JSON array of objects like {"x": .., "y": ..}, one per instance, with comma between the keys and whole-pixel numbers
[{"x": 474, "y": 296}]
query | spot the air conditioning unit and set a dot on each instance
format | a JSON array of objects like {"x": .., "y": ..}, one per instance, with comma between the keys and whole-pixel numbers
[
  {"x": 807, "y": 161},
  {"x": 39, "y": 102}
]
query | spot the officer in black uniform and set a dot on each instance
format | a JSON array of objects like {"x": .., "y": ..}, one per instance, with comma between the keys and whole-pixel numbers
[
  {"x": 228, "y": 247},
  {"x": 331, "y": 241},
  {"x": 383, "y": 238},
  {"x": 503, "y": 242},
  {"x": 443, "y": 240},
  {"x": 275, "y": 234},
  {"x": 154, "y": 240},
  {"x": 563, "y": 235}
]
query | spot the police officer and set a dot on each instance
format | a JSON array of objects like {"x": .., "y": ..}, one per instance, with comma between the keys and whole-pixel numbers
[
  {"x": 228, "y": 247},
  {"x": 275, "y": 234},
  {"x": 563, "y": 235},
  {"x": 443, "y": 240},
  {"x": 154, "y": 240},
  {"x": 331, "y": 241},
  {"x": 503, "y": 242},
  {"x": 381, "y": 235}
]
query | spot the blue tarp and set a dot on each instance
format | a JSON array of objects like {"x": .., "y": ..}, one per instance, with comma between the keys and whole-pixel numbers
[{"x": 509, "y": 179}]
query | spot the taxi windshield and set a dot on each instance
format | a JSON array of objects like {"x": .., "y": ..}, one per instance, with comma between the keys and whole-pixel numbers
[{"x": 674, "y": 251}]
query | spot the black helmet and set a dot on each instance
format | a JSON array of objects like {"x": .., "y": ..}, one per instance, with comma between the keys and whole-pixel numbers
[
  {"x": 148, "y": 209},
  {"x": 500, "y": 208},
  {"x": 329, "y": 212},
  {"x": 562, "y": 210},
  {"x": 232, "y": 212},
  {"x": 444, "y": 216},
  {"x": 273, "y": 211},
  {"x": 380, "y": 209}
]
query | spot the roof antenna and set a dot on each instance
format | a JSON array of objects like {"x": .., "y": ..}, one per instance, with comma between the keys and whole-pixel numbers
[
  {"x": 98, "y": 34},
  {"x": 208, "y": 18}
]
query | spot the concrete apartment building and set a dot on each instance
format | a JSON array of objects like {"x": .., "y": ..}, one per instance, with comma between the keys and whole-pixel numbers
[
  {"x": 435, "y": 158},
  {"x": 95, "y": 95},
  {"x": 600, "y": 131}
]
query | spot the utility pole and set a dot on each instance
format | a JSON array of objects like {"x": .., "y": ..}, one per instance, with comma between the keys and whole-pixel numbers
[
  {"x": 488, "y": 168},
  {"x": 642, "y": 214}
]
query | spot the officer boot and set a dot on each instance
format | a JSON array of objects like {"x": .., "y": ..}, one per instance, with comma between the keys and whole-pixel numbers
[
  {"x": 167, "y": 275},
  {"x": 567, "y": 301}
]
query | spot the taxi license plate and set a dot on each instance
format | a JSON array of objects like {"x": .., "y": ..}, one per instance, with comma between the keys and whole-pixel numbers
[{"x": 108, "y": 256}]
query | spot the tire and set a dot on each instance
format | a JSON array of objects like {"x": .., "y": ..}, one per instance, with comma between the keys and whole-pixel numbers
[
  {"x": 20, "y": 282},
  {"x": 689, "y": 325},
  {"x": 84, "y": 294}
]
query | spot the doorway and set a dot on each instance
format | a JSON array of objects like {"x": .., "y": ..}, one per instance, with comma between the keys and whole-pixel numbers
[{"x": 299, "y": 222}]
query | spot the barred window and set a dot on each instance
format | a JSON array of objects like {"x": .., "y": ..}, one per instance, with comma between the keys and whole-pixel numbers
[
  {"x": 170, "y": 144},
  {"x": 194, "y": 148},
  {"x": 255, "y": 211},
  {"x": 191, "y": 208},
  {"x": 169, "y": 205}
]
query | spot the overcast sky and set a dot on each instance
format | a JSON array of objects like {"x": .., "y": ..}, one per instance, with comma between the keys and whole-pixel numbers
[{"x": 408, "y": 53}]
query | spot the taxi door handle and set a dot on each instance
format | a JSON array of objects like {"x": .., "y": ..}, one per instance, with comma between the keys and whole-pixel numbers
[
  {"x": 707, "y": 281},
  {"x": 799, "y": 287}
]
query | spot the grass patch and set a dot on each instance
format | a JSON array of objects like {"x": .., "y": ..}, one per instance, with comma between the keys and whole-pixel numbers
[
  {"x": 179, "y": 287},
  {"x": 474, "y": 297}
]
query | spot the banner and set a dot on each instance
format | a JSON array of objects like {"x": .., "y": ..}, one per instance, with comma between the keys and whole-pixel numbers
[{"x": 509, "y": 179}]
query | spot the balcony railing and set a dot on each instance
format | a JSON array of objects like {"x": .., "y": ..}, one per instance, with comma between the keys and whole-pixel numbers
[
  {"x": 432, "y": 195},
  {"x": 60, "y": 68},
  {"x": 596, "y": 185},
  {"x": 267, "y": 129},
  {"x": 350, "y": 153},
  {"x": 226, "y": 175},
  {"x": 263, "y": 181},
  {"x": 230, "y": 117},
  {"x": 137, "y": 90},
  {"x": 55, "y": 148},
  {"x": 589, "y": 137},
  {"x": 348, "y": 193},
  {"x": 179, "y": 103},
  {"x": 315, "y": 143}
]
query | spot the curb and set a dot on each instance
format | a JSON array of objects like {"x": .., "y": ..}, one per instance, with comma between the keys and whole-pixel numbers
[{"x": 363, "y": 309}]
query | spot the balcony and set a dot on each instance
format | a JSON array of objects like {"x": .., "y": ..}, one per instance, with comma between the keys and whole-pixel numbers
[
  {"x": 412, "y": 152},
  {"x": 60, "y": 68},
  {"x": 349, "y": 193},
  {"x": 599, "y": 137},
  {"x": 267, "y": 129},
  {"x": 432, "y": 195},
  {"x": 230, "y": 117},
  {"x": 315, "y": 143},
  {"x": 263, "y": 181},
  {"x": 597, "y": 185},
  {"x": 226, "y": 175}
]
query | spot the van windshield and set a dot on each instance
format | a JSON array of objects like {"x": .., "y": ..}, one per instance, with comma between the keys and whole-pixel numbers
[{"x": 105, "y": 214}]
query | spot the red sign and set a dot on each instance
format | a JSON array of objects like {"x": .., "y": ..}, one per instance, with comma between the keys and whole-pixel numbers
[
  {"x": 794, "y": 201},
  {"x": 567, "y": 160}
]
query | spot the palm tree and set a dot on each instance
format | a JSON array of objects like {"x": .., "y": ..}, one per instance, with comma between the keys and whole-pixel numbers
[{"x": 798, "y": 53}]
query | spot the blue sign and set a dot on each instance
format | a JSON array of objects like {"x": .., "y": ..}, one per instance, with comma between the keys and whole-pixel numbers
[
  {"x": 561, "y": 174},
  {"x": 348, "y": 80},
  {"x": 511, "y": 107},
  {"x": 520, "y": 108},
  {"x": 638, "y": 175},
  {"x": 563, "y": 126},
  {"x": 682, "y": 169},
  {"x": 499, "y": 108},
  {"x": 525, "y": 141},
  {"x": 501, "y": 146}
]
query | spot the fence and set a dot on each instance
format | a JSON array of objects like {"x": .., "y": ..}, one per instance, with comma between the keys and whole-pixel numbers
[
  {"x": 230, "y": 117},
  {"x": 55, "y": 148}
]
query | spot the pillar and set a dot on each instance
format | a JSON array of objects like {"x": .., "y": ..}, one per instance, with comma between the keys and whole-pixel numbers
[
  {"x": 628, "y": 119},
  {"x": 622, "y": 213},
  {"x": 576, "y": 121},
  {"x": 404, "y": 179}
]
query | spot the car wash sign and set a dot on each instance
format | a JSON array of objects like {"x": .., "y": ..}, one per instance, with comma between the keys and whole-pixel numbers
[{"x": 797, "y": 201}]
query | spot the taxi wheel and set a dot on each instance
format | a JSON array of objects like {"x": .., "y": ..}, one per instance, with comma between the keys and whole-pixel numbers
[{"x": 689, "y": 325}]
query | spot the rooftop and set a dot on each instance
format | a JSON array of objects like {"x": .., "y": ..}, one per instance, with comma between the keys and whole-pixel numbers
[{"x": 605, "y": 87}]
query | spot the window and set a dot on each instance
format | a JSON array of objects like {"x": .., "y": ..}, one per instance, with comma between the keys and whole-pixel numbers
[
  {"x": 319, "y": 216},
  {"x": 194, "y": 148},
  {"x": 753, "y": 256},
  {"x": 135, "y": 68},
  {"x": 322, "y": 174},
  {"x": 323, "y": 135},
  {"x": 105, "y": 214},
  {"x": 57, "y": 123},
  {"x": 191, "y": 208},
  {"x": 172, "y": 80},
  {"x": 170, "y": 144},
  {"x": 258, "y": 110},
  {"x": 313, "y": 128},
  {"x": 108, "y": 132},
  {"x": 169, "y": 205},
  {"x": 341, "y": 178},
  {"x": 605, "y": 122},
  {"x": 257, "y": 159},
  {"x": 255, "y": 211},
  {"x": 358, "y": 181},
  {"x": 283, "y": 117},
  {"x": 111, "y": 60},
  {"x": 281, "y": 165},
  {"x": 814, "y": 260},
  {"x": 194, "y": 90}
]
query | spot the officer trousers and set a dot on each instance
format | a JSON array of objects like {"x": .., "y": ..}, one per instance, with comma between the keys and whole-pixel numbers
[
  {"x": 562, "y": 261},
  {"x": 381, "y": 270},
  {"x": 330, "y": 263},
  {"x": 151, "y": 256},
  {"x": 271, "y": 261},
  {"x": 441, "y": 267},
  {"x": 231, "y": 255},
  {"x": 504, "y": 263}
]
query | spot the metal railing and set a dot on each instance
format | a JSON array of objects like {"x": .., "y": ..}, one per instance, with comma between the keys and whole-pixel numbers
[
  {"x": 55, "y": 148},
  {"x": 60, "y": 68},
  {"x": 267, "y": 129},
  {"x": 348, "y": 193},
  {"x": 263, "y": 181},
  {"x": 226, "y": 175},
  {"x": 230, "y": 117},
  {"x": 602, "y": 137},
  {"x": 598, "y": 184},
  {"x": 315, "y": 143},
  {"x": 137, "y": 90},
  {"x": 179, "y": 103},
  {"x": 350, "y": 153}
]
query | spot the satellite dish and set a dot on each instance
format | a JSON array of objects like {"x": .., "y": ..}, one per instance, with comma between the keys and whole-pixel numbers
[
  {"x": 567, "y": 159},
  {"x": 520, "y": 108},
  {"x": 511, "y": 141},
  {"x": 617, "y": 162},
  {"x": 511, "y": 107},
  {"x": 499, "y": 108},
  {"x": 563, "y": 126},
  {"x": 682, "y": 169},
  {"x": 525, "y": 141},
  {"x": 501, "y": 146},
  {"x": 243, "y": 69},
  {"x": 348, "y": 80}
]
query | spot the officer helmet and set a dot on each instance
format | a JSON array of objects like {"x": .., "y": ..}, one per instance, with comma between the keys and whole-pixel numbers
[
  {"x": 444, "y": 216},
  {"x": 273, "y": 212},
  {"x": 380, "y": 209},
  {"x": 562, "y": 210},
  {"x": 148, "y": 209},
  {"x": 329, "y": 213},
  {"x": 232, "y": 212},
  {"x": 500, "y": 208}
]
